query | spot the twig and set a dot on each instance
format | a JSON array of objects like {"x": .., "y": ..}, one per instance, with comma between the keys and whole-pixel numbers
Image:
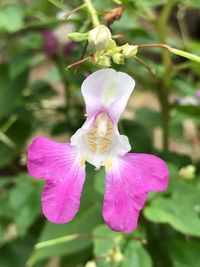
[
  {"x": 78, "y": 62},
  {"x": 175, "y": 51},
  {"x": 154, "y": 46},
  {"x": 73, "y": 11},
  {"x": 152, "y": 71}
]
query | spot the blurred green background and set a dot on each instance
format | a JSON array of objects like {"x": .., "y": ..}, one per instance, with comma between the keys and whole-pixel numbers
[{"x": 39, "y": 96}]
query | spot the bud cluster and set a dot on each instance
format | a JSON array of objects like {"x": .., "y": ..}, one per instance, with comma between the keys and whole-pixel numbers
[
  {"x": 104, "y": 47},
  {"x": 114, "y": 256},
  {"x": 188, "y": 172}
]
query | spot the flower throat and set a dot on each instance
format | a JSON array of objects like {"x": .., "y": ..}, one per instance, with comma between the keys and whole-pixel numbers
[{"x": 100, "y": 136}]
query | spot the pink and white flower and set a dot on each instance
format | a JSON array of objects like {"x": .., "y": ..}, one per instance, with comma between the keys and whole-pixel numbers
[{"x": 129, "y": 176}]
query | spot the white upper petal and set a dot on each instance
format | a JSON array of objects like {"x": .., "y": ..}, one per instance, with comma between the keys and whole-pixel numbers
[{"x": 107, "y": 90}]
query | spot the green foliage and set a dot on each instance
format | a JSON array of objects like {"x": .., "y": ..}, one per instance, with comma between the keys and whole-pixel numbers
[
  {"x": 11, "y": 90},
  {"x": 20, "y": 127},
  {"x": 184, "y": 253},
  {"x": 40, "y": 96},
  {"x": 11, "y": 18},
  {"x": 17, "y": 252},
  {"x": 103, "y": 242},
  {"x": 140, "y": 139},
  {"x": 106, "y": 242},
  {"x": 136, "y": 255},
  {"x": 85, "y": 222},
  {"x": 21, "y": 208},
  {"x": 179, "y": 207}
]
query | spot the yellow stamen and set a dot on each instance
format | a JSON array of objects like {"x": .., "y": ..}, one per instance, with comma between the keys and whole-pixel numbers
[
  {"x": 83, "y": 159},
  {"x": 108, "y": 164},
  {"x": 100, "y": 136}
]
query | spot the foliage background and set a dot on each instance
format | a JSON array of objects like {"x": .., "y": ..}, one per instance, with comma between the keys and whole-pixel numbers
[{"x": 39, "y": 96}]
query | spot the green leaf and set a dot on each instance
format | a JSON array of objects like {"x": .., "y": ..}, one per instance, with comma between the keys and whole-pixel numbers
[
  {"x": 19, "y": 63},
  {"x": 77, "y": 259},
  {"x": 20, "y": 203},
  {"x": 183, "y": 253},
  {"x": 136, "y": 255},
  {"x": 155, "y": 2},
  {"x": 83, "y": 223},
  {"x": 58, "y": 4},
  {"x": 104, "y": 241},
  {"x": 24, "y": 202},
  {"x": 148, "y": 117},
  {"x": 99, "y": 181},
  {"x": 176, "y": 126},
  {"x": 190, "y": 110},
  {"x": 31, "y": 41},
  {"x": 11, "y": 18},
  {"x": 11, "y": 90},
  {"x": 139, "y": 137},
  {"x": 180, "y": 208},
  {"x": 184, "y": 87},
  {"x": 4, "y": 181},
  {"x": 18, "y": 132},
  {"x": 16, "y": 252}
]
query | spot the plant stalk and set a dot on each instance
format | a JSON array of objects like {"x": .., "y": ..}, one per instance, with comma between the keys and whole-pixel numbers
[
  {"x": 92, "y": 12},
  {"x": 163, "y": 86}
]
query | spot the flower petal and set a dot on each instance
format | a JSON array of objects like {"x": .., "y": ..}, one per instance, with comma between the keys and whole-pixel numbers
[
  {"x": 107, "y": 90},
  {"x": 64, "y": 177},
  {"x": 128, "y": 182}
]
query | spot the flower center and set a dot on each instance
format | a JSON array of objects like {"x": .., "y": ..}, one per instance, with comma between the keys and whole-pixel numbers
[{"x": 100, "y": 135}]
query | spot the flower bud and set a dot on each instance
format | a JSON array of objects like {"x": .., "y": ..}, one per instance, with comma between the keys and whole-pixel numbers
[
  {"x": 103, "y": 61},
  {"x": 114, "y": 255},
  {"x": 118, "y": 58},
  {"x": 99, "y": 37},
  {"x": 188, "y": 172},
  {"x": 129, "y": 50},
  {"x": 118, "y": 256},
  {"x": 77, "y": 36},
  {"x": 91, "y": 264}
]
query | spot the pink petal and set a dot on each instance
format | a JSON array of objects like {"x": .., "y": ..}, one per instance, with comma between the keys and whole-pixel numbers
[
  {"x": 107, "y": 90},
  {"x": 64, "y": 178},
  {"x": 127, "y": 186}
]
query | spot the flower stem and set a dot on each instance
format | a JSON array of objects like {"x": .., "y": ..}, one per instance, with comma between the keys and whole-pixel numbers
[
  {"x": 152, "y": 71},
  {"x": 78, "y": 62},
  {"x": 92, "y": 12},
  {"x": 172, "y": 50},
  {"x": 68, "y": 238},
  {"x": 164, "y": 84}
]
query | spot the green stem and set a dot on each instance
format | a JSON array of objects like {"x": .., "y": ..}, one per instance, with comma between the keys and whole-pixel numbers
[
  {"x": 92, "y": 12},
  {"x": 163, "y": 87},
  {"x": 172, "y": 50},
  {"x": 68, "y": 238}
]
